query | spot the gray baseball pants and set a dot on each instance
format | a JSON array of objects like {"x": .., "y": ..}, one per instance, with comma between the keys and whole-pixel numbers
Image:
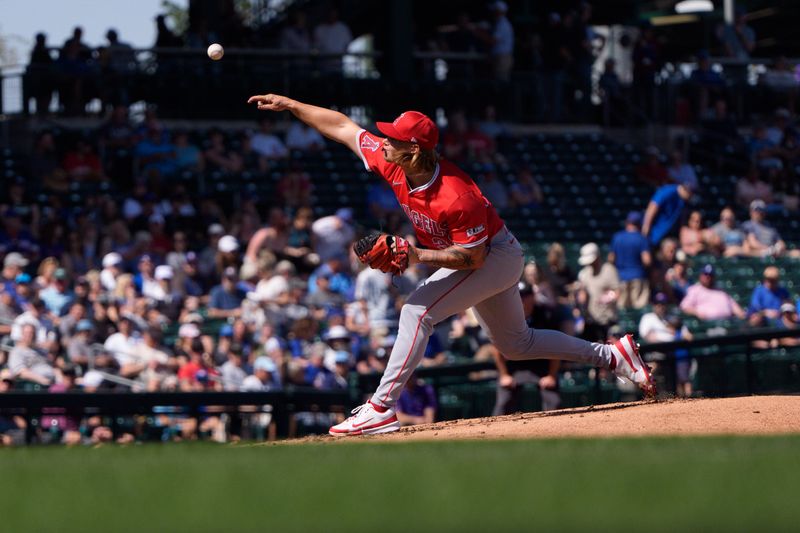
[{"x": 492, "y": 290}]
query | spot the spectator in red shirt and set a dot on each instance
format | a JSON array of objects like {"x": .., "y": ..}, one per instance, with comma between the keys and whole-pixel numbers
[
  {"x": 82, "y": 163},
  {"x": 198, "y": 374},
  {"x": 651, "y": 171}
]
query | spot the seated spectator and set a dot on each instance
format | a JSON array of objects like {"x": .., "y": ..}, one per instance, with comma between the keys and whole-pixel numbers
[
  {"x": 651, "y": 171},
  {"x": 294, "y": 188},
  {"x": 513, "y": 375},
  {"x": 266, "y": 143},
  {"x": 694, "y": 238},
  {"x": 661, "y": 325},
  {"x": 677, "y": 281},
  {"x": 489, "y": 125},
  {"x": 26, "y": 362},
  {"x": 198, "y": 373},
  {"x": 762, "y": 239},
  {"x": 265, "y": 376},
  {"x": 156, "y": 153},
  {"x": 322, "y": 297},
  {"x": 225, "y": 300},
  {"x": 764, "y": 152},
  {"x": 58, "y": 295},
  {"x": 789, "y": 320},
  {"x": 782, "y": 82},
  {"x": 558, "y": 274},
  {"x": 454, "y": 140},
  {"x": 707, "y": 84},
  {"x": 680, "y": 172},
  {"x": 417, "y": 403},
  {"x": 188, "y": 157},
  {"x": 219, "y": 157},
  {"x": 767, "y": 299},
  {"x": 730, "y": 239},
  {"x": 493, "y": 189},
  {"x": 333, "y": 234},
  {"x": 122, "y": 346},
  {"x": 525, "y": 191},
  {"x": 751, "y": 187},
  {"x": 81, "y": 163},
  {"x": 598, "y": 293},
  {"x": 304, "y": 138},
  {"x": 630, "y": 254},
  {"x": 381, "y": 201},
  {"x": 664, "y": 210},
  {"x": 719, "y": 127},
  {"x": 706, "y": 302}
]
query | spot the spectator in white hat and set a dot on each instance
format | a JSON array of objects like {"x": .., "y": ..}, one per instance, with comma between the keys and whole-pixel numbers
[
  {"x": 228, "y": 253},
  {"x": 112, "y": 268},
  {"x": 13, "y": 264},
  {"x": 598, "y": 293}
]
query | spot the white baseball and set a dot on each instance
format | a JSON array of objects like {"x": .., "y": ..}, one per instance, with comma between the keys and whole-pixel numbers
[{"x": 215, "y": 51}]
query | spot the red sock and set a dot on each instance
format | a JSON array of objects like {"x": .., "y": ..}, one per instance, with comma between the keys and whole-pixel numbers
[{"x": 379, "y": 408}]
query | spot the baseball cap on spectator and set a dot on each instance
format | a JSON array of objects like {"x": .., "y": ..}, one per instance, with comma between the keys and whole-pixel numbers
[
  {"x": 190, "y": 331},
  {"x": 788, "y": 308},
  {"x": 15, "y": 259},
  {"x": 84, "y": 325},
  {"x": 589, "y": 254},
  {"x": 226, "y": 330},
  {"x": 758, "y": 205},
  {"x": 708, "y": 270},
  {"x": 60, "y": 274},
  {"x": 412, "y": 126},
  {"x": 230, "y": 273},
  {"x": 265, "y": 363},
  {"x": 345, "y": 214},
  {"x": 337, "y": 332},
  {"x": 23, "y": 278},
  {"x": 285, "y": 267},
  {"x": 216, "y": 229},
  {"x": 634, "y": 217},
  {"x": 92, "y": 378},
  {"x": 227, "y": 244},
  {"x": 145, "y": 258},
  {"x": 660, "y": 298},
  {"x": 112, "y": 259},
  {"x": 163, "y": 272}
]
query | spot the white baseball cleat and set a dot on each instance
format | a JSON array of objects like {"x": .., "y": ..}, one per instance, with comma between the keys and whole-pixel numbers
[
  {"x": 629, "y": 364},
  {"x": 367, "y": 421}
]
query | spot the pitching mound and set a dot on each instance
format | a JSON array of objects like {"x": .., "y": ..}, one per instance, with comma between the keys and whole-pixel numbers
[{"x": 718, "y": 416}]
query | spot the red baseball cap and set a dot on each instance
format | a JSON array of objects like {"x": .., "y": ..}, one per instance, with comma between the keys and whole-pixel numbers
[{"x": 412, "y": 126}]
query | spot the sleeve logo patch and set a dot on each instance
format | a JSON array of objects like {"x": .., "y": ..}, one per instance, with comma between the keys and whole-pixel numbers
[
  {"x": 368, "y": 143},
  {"x": 471, "y": 232}
]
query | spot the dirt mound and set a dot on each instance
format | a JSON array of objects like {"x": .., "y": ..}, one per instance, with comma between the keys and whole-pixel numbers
[{"x": 718, "y": 416}]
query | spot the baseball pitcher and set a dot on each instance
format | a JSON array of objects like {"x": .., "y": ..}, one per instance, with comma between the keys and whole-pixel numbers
[{"x": 479, "y": 261}]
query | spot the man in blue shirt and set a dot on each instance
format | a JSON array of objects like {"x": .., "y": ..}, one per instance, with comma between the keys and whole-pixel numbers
[
  {"x": 664, "y": 210},
  {"x": 225, "y": 300},
  {"x": 767, "y": 298},
  {"x": 630, "y": 253}
]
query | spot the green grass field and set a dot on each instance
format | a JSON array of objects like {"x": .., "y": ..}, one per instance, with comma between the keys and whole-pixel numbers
[{"x": 657, "y": 484}]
